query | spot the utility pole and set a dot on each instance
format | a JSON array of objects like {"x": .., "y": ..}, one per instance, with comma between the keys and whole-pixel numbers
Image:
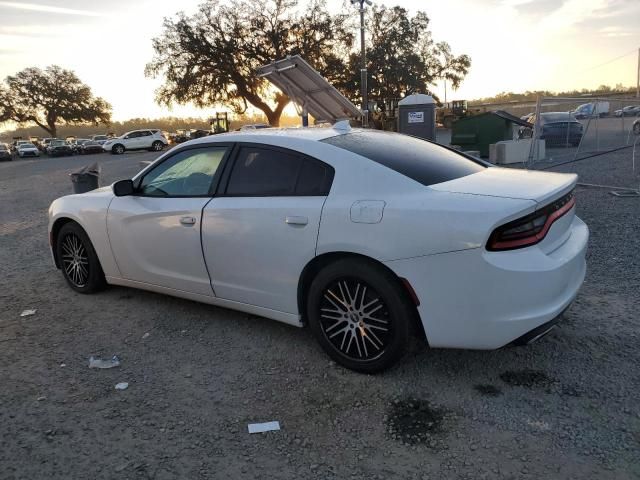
[
  {"x": 638, "y": 77},
  {"x": 363, "y": 68}
]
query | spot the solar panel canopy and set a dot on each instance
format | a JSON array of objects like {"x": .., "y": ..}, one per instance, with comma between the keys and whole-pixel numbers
[{"x": 307, "y": 88}]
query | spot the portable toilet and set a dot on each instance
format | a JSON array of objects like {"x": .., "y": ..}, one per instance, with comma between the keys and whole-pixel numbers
[
  {"x": 477, "y": 132},
  {"x": 417, "y": 116}
]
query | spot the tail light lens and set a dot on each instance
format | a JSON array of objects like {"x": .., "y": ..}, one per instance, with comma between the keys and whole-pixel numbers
[{"x": 532, "y": 229}]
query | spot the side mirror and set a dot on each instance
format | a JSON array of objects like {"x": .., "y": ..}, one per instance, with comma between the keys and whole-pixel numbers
[{"x": 123, "y": 188}]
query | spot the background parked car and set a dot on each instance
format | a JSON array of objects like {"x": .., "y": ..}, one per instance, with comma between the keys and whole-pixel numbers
[
  {"x": 77, "y": 143},
  {"x": 101, "y": 139},
  {"x": 5, "y": 152},
  {"x": 16, "y": 144},
  {"x": 558, "y": 128},
  {"x": 629, "y": 111},
  {"x": 151, "y": 139},
  {"x": 594, "y": 109},
  {"x": 28, "y": 150},
  {"x": 90, "y": 146},
  {"x": 255, "y": 126},
  {"x": 44, "y": 143},
  {"x": 59, "y": 148}
]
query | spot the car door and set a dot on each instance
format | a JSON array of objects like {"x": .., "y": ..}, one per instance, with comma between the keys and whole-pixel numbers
[
  {"x": 132, "y": 140},
  {"x": 144, "y": 139},
  {"x": 258, "y": 234},
  {"x": 155, "y": 233}
]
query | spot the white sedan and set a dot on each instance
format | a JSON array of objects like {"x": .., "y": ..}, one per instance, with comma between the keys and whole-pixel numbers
[
  {"x": 363, "y": 235},
  {"x": 28, "y": 150}
]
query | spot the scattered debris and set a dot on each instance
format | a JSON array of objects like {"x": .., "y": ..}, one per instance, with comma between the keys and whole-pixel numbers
[
  {"x": 40, "y": 399},
  {"x": 122, "y": 386},
  {"x": 97, "y": 362},
  {"x": 27, "y": 313},
  {"x": 146, "y": 335},
  {"x": 62, "y": 365},
  {"x": 264, "y": 427}
]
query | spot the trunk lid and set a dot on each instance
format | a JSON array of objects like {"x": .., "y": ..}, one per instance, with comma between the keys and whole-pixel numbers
[{"x": 541, "y": 187}]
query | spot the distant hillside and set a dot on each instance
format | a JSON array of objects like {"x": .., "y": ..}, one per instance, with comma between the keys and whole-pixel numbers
[{"x": 530, "y": 96}]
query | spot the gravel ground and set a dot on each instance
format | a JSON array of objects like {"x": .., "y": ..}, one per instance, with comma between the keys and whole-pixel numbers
[{"x": 565, "y": 407}]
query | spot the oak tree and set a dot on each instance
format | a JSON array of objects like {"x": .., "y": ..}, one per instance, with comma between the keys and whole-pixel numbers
[
  {"x": 50, "y": 98},
  {"x": 211, "y": 57}
]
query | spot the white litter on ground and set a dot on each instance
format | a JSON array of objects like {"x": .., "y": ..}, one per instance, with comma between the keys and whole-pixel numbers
[
  {"x": 146, "y": 335},
  {"x": 263, "y": 427},
  {"x": 122, "y": 386},
  {"x": 97, "y": 362},
  {"x": 26, "y": 313}
]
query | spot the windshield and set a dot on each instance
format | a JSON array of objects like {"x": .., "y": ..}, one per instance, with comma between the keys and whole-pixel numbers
[
  {"x": 26, "y": 145},
  {"x": 57, "y": 143}
]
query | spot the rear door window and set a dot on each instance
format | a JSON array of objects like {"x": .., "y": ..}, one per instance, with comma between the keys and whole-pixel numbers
[{"x": 263, "y": 171}]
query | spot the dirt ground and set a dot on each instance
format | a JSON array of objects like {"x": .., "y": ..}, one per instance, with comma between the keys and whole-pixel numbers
[{"x": 564, "y": 407}]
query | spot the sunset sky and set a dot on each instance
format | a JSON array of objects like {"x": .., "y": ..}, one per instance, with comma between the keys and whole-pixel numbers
[{"x": 515, "y": 45}]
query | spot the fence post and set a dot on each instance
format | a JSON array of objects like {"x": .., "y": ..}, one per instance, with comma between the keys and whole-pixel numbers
[{"x": 533, "y": 148}]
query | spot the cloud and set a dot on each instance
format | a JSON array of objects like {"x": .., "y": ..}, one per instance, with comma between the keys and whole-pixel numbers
[
  {"x": 36, "y": 7},
  {"x": 615, "y": 31}
]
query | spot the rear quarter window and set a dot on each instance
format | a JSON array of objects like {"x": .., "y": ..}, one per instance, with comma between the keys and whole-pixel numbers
[{"x": 420, "y": 160}]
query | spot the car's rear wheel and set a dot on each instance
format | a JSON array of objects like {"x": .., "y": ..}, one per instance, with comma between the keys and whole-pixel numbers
[
  {"x": 636, "y": 128},
  {"x": 78, "y": 259},
  {"x": 117, "y": 149},
  {"x": 157, "y": 146},
  {"x": 360, "y": 315}
]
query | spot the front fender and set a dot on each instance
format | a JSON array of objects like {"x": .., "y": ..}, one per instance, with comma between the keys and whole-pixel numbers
[{"x": 89, "y": 210}]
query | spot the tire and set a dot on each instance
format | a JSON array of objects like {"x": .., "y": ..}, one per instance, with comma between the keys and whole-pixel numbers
[
  {"x": 157, "y": 146},
  {"x": 117, "y": 149},
  {"x": 636, "y": 128},
  {"x": 78, "y": 260},
  {"x": 360, "y": 315}
]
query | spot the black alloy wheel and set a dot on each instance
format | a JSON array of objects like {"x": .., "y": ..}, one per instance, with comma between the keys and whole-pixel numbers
[
  {"x": 360, "y": 314},
  {"x": 78, "y": 260}
]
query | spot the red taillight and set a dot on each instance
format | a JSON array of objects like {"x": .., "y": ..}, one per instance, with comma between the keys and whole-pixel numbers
[{"x": 531, "y": 229}]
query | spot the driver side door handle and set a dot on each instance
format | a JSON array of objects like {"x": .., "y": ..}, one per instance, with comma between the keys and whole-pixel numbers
[
  {"x": 295, "y": 220},
  {"x": 188, "y": 221}
]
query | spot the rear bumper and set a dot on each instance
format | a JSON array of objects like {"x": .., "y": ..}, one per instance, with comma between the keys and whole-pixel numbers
[{"x": 485, "y": 300}]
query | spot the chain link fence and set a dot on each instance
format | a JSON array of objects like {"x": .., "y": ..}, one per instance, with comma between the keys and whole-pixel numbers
[{"x": 570, "y": 130}]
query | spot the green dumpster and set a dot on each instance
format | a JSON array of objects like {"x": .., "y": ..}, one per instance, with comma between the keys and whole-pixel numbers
[{"x": 480, "y": 131}]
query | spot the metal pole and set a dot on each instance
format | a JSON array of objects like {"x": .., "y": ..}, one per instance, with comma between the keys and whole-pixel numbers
[
  {"x": 445, "y": 90},
  {"x": 638, "y": 77},
  {"x": 534, "y": 147},
  {"x": 363, "y": 70}
]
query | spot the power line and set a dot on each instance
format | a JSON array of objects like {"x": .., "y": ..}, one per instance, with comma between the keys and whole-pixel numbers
[{"x": 608, "y": 62}]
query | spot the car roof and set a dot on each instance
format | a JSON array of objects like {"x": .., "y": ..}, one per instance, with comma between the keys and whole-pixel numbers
[{"x": 309, "y": 133}]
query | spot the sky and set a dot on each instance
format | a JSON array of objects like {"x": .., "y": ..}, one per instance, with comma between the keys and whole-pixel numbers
[{"x": 515, "y": 45}]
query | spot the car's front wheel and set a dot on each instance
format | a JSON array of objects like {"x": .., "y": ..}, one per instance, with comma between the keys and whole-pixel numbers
[
  {"x": 360, "y": 315},
  {"x": 636, "y": 128},
  {"x": 78, "y": 259},
  {"x": 117, "y": 149}
]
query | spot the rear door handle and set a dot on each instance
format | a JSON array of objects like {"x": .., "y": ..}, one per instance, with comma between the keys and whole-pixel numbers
[
  {"x": 293, "y": 220},
  {"x": 188, "y": 220}
]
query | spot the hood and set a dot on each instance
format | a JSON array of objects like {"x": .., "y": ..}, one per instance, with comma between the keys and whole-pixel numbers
[{"x": 540, "y": 187}]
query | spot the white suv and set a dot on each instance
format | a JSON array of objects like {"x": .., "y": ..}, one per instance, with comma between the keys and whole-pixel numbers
[{"x": 151, "y": 139}]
